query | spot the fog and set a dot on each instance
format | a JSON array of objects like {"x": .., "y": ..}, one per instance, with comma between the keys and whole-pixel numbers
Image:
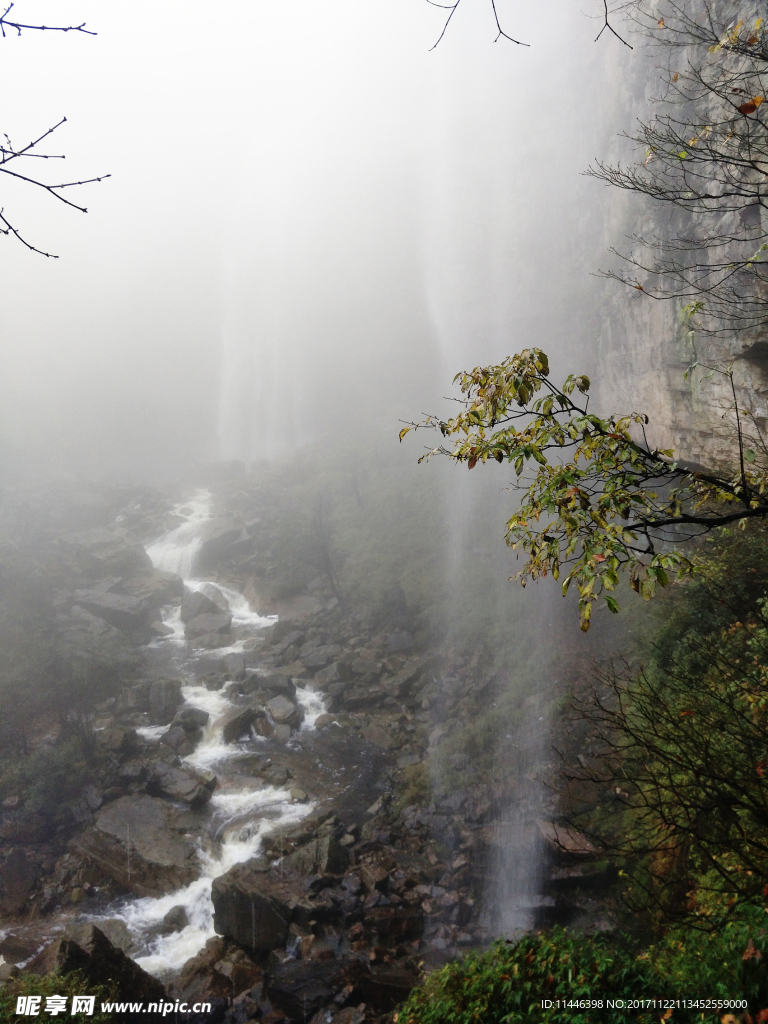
[{"x": 313, "y": 220}]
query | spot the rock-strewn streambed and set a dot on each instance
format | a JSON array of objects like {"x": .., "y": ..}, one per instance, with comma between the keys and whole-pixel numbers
[{"x": 255, "y": 830}]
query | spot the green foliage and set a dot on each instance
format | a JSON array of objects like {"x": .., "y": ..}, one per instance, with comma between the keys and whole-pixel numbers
[
  {"x": 600, "y": 500},
  {"x": 507, "y": 983},
  {"x": 56, "y": 984}
]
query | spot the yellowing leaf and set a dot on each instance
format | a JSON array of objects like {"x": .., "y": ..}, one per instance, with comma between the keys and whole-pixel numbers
[
  {"x": 751, "y": 105},
  {"x": 403, "y": 432}
]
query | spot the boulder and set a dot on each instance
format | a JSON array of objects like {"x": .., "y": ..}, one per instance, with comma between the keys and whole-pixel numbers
[
  {"x": 176, "y": 919},
  {"x": 86, "y": 641},
  {"x": 284, "y": 711},
  {"x": 190, "y": 718},
  {"x": 220, "y": 538},
  {"x": 208, "y": 623},
  {"x": 237, "y": 723},
  {"x": 246, "y": 909},
  {"x": 400, "y": 640},
  {"x": 86, "y": 949},
  {"x": 278, "y": 683},
  {"x": 194, "y": 603},
  {"x": 119, "y": 610},
  {"x": 116, "y": 930},
  {"x": 17, "y": 881},
  {"x": 177, "y": 739},
  {"x": 178, "y": 784},
  {"x": 114, "y": 550},
  {"x": 323, "y": 855},
  {"x": 234, "y": 666},
  {"x": 153, "y": 589},
  {"x": 164, "y": 699},
  {"x": 136, "y": 841},
  {"x": 302, "y": 987}
]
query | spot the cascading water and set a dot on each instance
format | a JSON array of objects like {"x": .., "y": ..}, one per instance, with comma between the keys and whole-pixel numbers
[{"x": 242, "y": 811}]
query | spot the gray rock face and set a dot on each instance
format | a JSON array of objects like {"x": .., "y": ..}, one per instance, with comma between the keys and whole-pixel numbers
[
  {"x": 284, "y": 711},
  {"x": 87, "y": 639},
  {"x": 234, "y": 666},
  {"x": 208, "y": 622},
  {"x": 195, "y": 603},
  {"x": 178, "y": 740},
  {"x": 191, "y": 718},
  {"x": 278, "y": 683},
  {"x": 17, "y": 880},
  {"x": 125, "y": 613},
  {"x": 321, "y": 856},
  {"x": 134, "y": 840},
  {"x": 178, "y": 784},
  {"x": 153, "y": 589},
  {"x": 164, "y": 699},
  {"x": 85, "y": 948},
  {"x": 237, "y": 723},
  {"x": 221, "y": 540},
  {"x": 244, "y": 909},
  {"x": 176, "y": 919},
  {"x": 114, "y": 551}
]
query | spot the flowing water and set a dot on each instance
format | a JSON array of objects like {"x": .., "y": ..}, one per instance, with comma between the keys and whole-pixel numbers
[{"x": 243, "y": 809}]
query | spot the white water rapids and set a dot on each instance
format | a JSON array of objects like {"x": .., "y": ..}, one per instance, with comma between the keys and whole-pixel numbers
[{"x": 242, "y": 810}]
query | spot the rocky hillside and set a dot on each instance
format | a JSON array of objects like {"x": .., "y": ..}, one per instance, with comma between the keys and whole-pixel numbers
[{"x": 289, "y": 818}]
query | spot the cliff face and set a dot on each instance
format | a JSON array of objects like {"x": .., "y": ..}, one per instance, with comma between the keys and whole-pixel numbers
[{"x": 644, "y": 346}]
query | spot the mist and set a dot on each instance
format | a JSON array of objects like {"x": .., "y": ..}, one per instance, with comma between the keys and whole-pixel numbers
[
  {"x": 239, "y": 615},
  {"x": 313, "y": 222}
]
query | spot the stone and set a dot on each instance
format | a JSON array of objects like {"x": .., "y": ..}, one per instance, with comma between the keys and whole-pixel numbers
[
  {"x": 17, "y": 881},
  {"x": 301, "y": 987},
  {"x": 374, "y": 876},
  {"x": 178, "y": 784},
  {"x": 278, "y": 683},
  {"x": 245, "y": 910},
  {"x": 190, "y": 718},
  {"x": 221, "y": 537},
  {"x": 133, "y": 840},
  {"x": 114, "y": 551},
  {"x": 176, "y": 919},
  {"x": 178, "y": 741},
  {"x": 195, "y": 603},
  {"x": 234, "y": 666},
  {"x": 86, "y": 949},
  {"x": 282, "y": 733},
  {"x": 323, "y": 855},
  {"x": 208, "y": 623},
  {"x": 284, "y": 711},
  {"x": 153, "y": 590},
  {"x": 298, "y": 795},
  {"x": 119, "y": 610},
  {"x": 164, "y": 699},
  {"x": 356, "y": 698},
  {"x": 116, "y": 930},
  {"x": 199, "y": 981},
  {"x": 237, "y": 723},
  {"x": 118, "y": 740},
  {"x": 322, "y": 721},
  {"x": 330, "y": 674},
  {"x": 8, "y": 972}
]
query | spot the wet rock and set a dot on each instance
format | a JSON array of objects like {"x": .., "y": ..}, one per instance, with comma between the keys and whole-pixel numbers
[
  {"x": 284, "y": 711},
  {"x": 234, "y": 666},
  {"x": 278, "y": 683},
  {"x": 390, "y": 925},
  {"x": 208, "y": 623},
  {"x": 114, "y": 551},
  {"x": 237, "y": 723},
  {"x": 195, "y": 603},
  {"x": 191, "y": 718},
  {"x": 15, "y": 949},
  {"x": 301, "y": 987},
  {"x": 133, "y": 840},
  {"x": 87, "y": 640},
  {"x": 198, "y": 980},
  {"x": 177, "y": 740},
  {"x": 164, "y": 699},
  {"x": 124, "y": 613},
  {"x": 119, "y": 741},
  {"x": 323, "y": 855},
  {"x": 322, "y": 721},
  {"x": 17, "y": 880},
  {"x": 86, "y": 949},
  {"x": 330, "y": 674},
  {"x": 246, "y": 909},
  {"x": 221, "y": 540},
  {"x": 178, "y": 784},
  {"x": 116, "y": 930},
  {"x": 153, "y": 589},
  {"x": 176, "y": 919},
  {"x": 357, "y": 698},
  {"x": 134, "y": 698}
]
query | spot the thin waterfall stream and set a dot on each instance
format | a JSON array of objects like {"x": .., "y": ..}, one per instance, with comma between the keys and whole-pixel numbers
[{"x": 243, "y": 809}]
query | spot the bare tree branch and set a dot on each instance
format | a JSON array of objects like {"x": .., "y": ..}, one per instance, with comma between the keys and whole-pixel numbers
[{"x": 19, "y": 27}]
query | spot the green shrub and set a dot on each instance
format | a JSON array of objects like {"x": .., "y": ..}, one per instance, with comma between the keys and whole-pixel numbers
[{"x": 56, "y": 984}]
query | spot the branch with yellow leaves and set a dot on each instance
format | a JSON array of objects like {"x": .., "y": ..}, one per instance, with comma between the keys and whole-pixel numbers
[{"x": 598, "y": 499}]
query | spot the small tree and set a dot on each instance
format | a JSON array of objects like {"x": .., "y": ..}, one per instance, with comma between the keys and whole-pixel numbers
[{"x": 600, "y": 498}]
